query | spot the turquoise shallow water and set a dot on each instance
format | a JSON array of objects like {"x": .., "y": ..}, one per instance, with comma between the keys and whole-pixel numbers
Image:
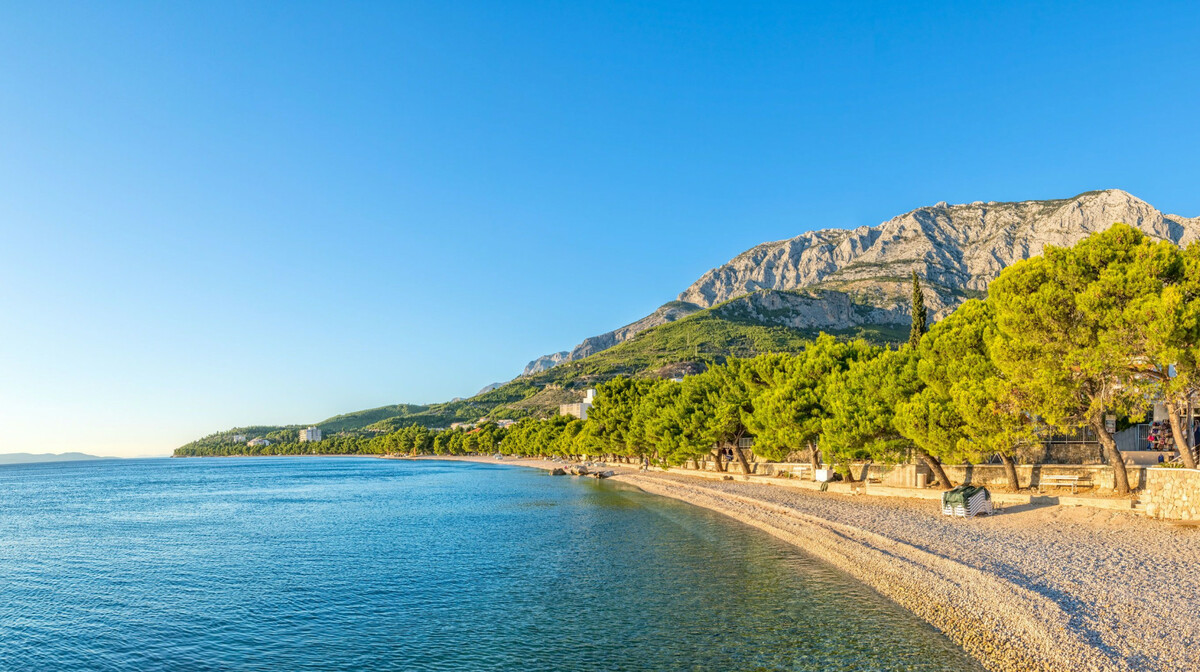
[{"x": 356, "y": 564}]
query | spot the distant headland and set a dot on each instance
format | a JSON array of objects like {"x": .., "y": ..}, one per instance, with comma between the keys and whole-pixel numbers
[{"x": 26, "y": 458}]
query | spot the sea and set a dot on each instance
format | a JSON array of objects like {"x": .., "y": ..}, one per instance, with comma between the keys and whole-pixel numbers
[{"x": 322, "y": 563}]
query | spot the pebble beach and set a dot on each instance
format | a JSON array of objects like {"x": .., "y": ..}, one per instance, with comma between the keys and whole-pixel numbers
[{"x": 1031, "y": 588}]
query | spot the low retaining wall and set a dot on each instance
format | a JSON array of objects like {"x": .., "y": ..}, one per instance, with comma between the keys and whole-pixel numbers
[
  {"x": 1099, "y": 476},
  {"x": 1096, "y": 477},
  {"x": 1172, "y": 494}
]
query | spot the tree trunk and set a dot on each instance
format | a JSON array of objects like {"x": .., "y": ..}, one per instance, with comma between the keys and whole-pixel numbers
[
  {"x": 1185, "y": 451},
  {"x": 717, "y": 456},
  {"x": 1120, "y": 475},
  {"x": 742, "y": 459},
  {"x": 850, "y": 473},
  {"x": 935, "y": 465},
  {"x": 1010, "y": 468},
  {"x": 815, "y": 456}
]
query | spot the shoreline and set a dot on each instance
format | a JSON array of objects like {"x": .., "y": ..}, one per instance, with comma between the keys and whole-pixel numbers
[{"x": 1049, "y": 587}]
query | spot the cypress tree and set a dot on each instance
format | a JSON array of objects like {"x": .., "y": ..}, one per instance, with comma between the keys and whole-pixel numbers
[{"x": 918, "y": 312}]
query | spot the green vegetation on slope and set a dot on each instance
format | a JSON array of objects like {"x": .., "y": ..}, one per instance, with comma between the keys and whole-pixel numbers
[
  {"x": 708, "y": 337},
  {"x": 359, "y": 419}
]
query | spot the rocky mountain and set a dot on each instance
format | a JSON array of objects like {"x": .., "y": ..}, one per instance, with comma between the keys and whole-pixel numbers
[
  {"x": 861, "y": 276},
  {"x": 590, "y": 346},
  {"x": 808, "y": 309},
  {"x": 545, "y": 362},
  {"x": 489, "y": 388},
  {"x": 956, "y": 249}
]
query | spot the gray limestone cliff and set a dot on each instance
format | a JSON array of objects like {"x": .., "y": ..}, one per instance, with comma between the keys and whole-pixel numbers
[
  {"x": 861, "y": 276},
  {"x": 808, "y": 309},
  {"x": 489, "y": 387},
  {"x": 545, "y": 362},
  {"x": 955, "y": 249},
  {"x": 666, "y": 313}
]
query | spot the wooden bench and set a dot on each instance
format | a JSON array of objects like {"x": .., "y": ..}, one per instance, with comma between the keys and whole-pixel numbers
[{"x": 1063, "y": 480}]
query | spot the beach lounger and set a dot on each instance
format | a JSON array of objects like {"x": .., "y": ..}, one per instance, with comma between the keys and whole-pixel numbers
[{"x": 967, "y": 501}]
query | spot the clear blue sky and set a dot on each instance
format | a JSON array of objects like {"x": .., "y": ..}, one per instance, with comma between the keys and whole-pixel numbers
[{"x": 222, "y": 214}]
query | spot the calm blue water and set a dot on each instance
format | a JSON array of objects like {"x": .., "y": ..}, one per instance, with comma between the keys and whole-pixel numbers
[{"x": 365, "y": 564}]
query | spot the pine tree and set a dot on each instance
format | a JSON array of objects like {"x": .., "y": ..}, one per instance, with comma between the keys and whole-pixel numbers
[{"x": 918, "y": 312}]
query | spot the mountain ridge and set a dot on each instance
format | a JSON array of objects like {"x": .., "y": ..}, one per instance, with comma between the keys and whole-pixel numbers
[{"x": 956, "y": 250}]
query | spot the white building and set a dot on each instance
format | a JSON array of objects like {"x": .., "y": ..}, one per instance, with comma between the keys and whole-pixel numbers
[
  {"x": 310, "y": 434},
  {"x": 579, "y": 410},
  {"x": 502, "y": 424},
  {"x": 238, "y": 438},
  {"x": 258, "y": 442}
]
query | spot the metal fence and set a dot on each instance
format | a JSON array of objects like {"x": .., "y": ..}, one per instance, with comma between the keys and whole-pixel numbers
[
  {"x": 1133, "y": 438},
  {"x": 1078, "y": 447}
]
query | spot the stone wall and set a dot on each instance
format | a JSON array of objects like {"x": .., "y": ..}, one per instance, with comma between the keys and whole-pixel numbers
[
  {"x": 1099, "y": 476},
  {"x": 1088, "y": 452},
  {"x": 757, "y": 467},
  {"x": 1095, "y": 477},
  {"x": 1172, "y": 494}
]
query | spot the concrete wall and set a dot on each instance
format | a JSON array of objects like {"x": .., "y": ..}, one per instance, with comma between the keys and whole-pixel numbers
[{"x": 1172, "y": 494}]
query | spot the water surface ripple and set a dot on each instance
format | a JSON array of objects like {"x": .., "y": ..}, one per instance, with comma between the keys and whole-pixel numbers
[{"x": 355, "y": 564}]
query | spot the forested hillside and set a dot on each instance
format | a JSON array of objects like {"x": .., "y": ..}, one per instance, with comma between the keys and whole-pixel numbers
[{"x": 687, "y": 345}]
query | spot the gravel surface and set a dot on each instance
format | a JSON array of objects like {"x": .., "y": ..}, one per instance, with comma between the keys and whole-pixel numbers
[{"x": 1030, "y": 588}]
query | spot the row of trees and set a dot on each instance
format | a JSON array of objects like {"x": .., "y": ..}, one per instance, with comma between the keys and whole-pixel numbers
[
  {"x": 410, "y": 439},
  {"x": 1062, "y": 340}
]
